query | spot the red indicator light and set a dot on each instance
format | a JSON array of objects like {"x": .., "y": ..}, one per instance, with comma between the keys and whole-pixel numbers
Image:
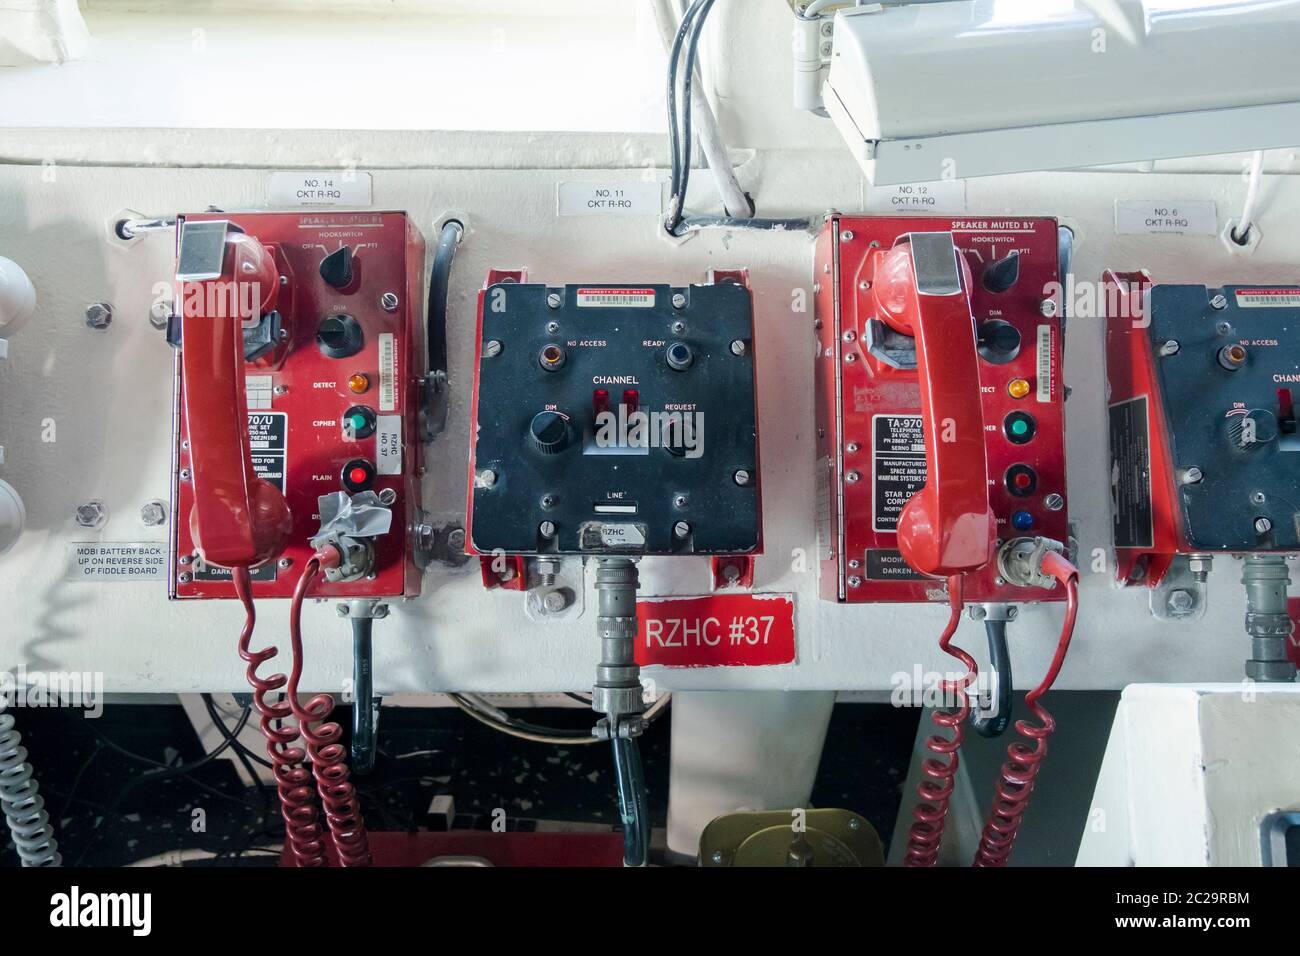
[
  {"x": 1022, "y": 480},
  {"x": 631, "y": 399},
  {"x": 600, "y": 400},
  {"x": 357, "y": 476}
]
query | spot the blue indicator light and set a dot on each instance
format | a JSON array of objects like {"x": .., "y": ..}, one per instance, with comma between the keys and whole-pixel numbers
[{"x": 1022, "y": 521}]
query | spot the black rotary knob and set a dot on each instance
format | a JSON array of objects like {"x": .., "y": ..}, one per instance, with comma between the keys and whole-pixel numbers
[
  {"x": 997, "y": 342},
  {"x": 336, "y": 268},
  {"x": 550, "y": 432},
  {"x": 339, "y": 336},
  {"x": 1001, "y": 275}
]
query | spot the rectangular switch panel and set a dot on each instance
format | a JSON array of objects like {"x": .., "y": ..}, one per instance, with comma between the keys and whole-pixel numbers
[
  {"x": 614, "y": 418},
  {"x": 871, "y": 448},
  {"x": 333, "y": 402},
  {"x": 1205, "y": 454}
]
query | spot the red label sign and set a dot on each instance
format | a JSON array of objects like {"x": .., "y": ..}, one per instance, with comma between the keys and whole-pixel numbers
[{"x": 720, "y": 630}]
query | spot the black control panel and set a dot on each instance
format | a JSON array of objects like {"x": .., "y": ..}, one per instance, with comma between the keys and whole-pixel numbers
[
  {"x": 1228, "y": 363},
  {"x": 615, "y": 419}
]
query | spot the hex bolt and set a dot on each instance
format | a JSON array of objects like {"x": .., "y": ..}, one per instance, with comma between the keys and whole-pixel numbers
[
  {"x": 491, "y": 348},
  {"x": 456, "y": 538},
  {"x": 546, "y": 529},
  {"x": 679, "y": 301},
  {"x": 153, "y": 513},
  {"x": 681, "y": 530},
  {"x": 554, "y": 602},
  {"x": 1192, "y": 476},
  {"x": 1181, "y": 601},
  {"x": 741, "y": 477},
  {"x": 160, "y": 314},
  {"x": 1219, "y": 302},
  {"x": 738, "y": 348},
  {"x": 852, "y": 477},
  {"x": 554, "y": 301},
  {"x": 389, "y": 301},
  {"x": 92, "y": 514},
  {"x": 99, "y": 316},
  {"x": 1054, "y": 502},
  {"x": 1169, "y": 347}
]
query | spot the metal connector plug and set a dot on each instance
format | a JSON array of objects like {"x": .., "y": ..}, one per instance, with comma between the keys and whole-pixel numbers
[
  {"x": 1020, "y": 562},
  {"x": 617, "y": 691}
]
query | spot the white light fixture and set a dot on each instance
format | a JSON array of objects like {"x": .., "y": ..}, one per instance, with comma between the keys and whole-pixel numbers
[{"x": 983, "y": 87}]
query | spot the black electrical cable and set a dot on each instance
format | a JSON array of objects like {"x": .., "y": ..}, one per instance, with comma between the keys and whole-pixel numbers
[
  {"x": 363, "y": 711},
  {"x": 165, "y": 772},
  {"x": 692, "y": 50},
  {"x": 632, "y": 802},
  {"x": 242, "y": 753},
  {"x": 439, "y": 282},
  {"x": 1000, "y": 666},
  {"x": 674, "y": 136},
  {"x": 680, "y": 144}
]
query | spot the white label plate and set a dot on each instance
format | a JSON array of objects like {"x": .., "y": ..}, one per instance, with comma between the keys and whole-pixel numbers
[
  {"x": 610, "y": 199},
  {"x": 940, "y": 196},
  {"x": 1268, "y": 298},
  {"x": 317, "y": 187},
  {"x": 387, "y": 371},
  {"x": 616, "y": 298},
  {"x": 1043, "y": 364},
  {"x": 388, "y": 444},
  {"x": 1155, "y": 217},
  {"x": 109, "y": 561}
]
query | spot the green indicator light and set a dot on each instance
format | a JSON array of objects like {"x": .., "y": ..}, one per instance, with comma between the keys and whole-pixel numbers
[
  {"x": 358, "y": 422},
  {"x": 1019, "y": 426}
]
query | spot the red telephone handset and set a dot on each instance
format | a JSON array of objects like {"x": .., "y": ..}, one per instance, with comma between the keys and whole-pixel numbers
[
  {"x": 238, "y": 520},
  {"x": 921, "y": 289}
]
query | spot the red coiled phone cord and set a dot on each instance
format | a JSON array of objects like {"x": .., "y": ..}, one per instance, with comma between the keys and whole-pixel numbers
[
  {"x": 930, "y": 813},
  {"x": 303, "y": 832},
  {"x": 1016, "y": 783},
  {"x": 328, "y": 756}
]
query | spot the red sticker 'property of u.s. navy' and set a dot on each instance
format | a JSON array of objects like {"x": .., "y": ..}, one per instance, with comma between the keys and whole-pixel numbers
[{"x": 718, "y": 630}]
